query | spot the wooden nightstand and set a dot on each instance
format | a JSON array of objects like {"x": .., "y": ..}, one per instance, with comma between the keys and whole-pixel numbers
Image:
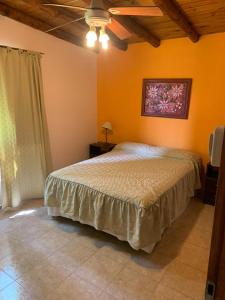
[
  {"x": 210, "y": 184},
  {"x": 99, "y": 148}
]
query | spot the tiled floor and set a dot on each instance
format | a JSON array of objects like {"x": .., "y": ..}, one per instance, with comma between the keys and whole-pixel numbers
[{"x": 44, "y": 258}]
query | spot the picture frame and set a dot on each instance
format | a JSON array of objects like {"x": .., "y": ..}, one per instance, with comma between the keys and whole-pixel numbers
[{"x": 166, "y": 97}]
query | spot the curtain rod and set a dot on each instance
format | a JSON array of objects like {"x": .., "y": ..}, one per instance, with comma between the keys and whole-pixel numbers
[{"x": 25, "y": 50}]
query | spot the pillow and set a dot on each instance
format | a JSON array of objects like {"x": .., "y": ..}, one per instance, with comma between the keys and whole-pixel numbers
[
  {"x": 147, "y": 150},
  {"x": 138, "y": 148},
  {"x": 179, "y": 154}
]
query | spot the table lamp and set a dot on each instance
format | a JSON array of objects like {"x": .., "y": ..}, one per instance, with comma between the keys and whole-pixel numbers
[{"x": 107, "y": 126}]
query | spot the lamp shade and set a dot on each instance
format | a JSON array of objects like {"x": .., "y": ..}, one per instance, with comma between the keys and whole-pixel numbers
[{"x": 107, "y": 125}]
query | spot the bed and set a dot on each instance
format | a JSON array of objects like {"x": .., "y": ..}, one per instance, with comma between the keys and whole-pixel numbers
[{"x": 133, "y": 192}]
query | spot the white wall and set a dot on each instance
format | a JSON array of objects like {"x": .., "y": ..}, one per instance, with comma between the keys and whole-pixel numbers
[{"x": 69, "y": 77}]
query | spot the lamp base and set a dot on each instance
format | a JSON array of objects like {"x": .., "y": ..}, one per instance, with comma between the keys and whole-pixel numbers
[{"x": 106, "y": 136}]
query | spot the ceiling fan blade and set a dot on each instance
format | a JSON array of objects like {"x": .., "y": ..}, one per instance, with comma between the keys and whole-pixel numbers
[
  {"x": 151, "y": 11},
  {"x": 119, "y": 30},
  {"x": 66, "y": 6},
  {"x": 60, "y": 26}
]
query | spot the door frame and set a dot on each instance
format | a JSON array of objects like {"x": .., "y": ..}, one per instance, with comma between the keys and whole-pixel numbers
[{"x": 216, "y": 267}]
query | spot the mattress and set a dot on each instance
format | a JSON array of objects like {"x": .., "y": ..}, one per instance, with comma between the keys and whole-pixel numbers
[{"x": 133, "y": 192}]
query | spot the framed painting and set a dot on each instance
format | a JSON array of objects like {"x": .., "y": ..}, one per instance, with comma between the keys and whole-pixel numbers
[{"x": 167, "y": 98}]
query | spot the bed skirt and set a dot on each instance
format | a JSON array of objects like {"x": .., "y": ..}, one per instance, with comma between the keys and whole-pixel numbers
[{"x": 141, "y": 227}]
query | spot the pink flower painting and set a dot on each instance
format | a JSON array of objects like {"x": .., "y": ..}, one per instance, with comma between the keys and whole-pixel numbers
[{"x": 166, "y": 98}]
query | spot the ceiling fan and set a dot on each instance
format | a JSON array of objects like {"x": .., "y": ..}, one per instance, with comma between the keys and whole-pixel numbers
[{"x": 98, "y": 17}]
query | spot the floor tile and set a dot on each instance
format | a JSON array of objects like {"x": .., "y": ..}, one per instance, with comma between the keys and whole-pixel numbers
[
  {"x": 197, "y": 215},
  {"x": 86, "y": 239},
  {"x": 200, "y": 238},
  {"x": 117, "y": 254},
  {"x": 16, "y": 265},
  {"x": 170, "y": 245},
  {"x": 4, "y": 280},
  {"x": 194, "y": 256},
  {"x": 184, "y": 279},
  {"x": 106, "y": 296},
  {"x": 129, "y": 284},
  {"x": 57, "y": 258},
  {"x": 10, "y": 246},
  {"x": 42, "y": 281},
  {"x": 76, "y": 288},
  {"x": 14, "y": 291},
  {"x": 99, "y": 270},
  {"x": 151, "y": 265},
  {"x": 49, "y": 243},
  {"x": 205, "y": 220},
  {"x": 70, "y": 256},
  {"x": 163, "y": 292}
]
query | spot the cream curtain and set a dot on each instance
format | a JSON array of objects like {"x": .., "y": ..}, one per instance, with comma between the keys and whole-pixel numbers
[{"x": 24, "y": 150}]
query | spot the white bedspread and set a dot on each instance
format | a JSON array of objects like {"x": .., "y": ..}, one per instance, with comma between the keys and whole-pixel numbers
[{"x": 133, "y": 195}]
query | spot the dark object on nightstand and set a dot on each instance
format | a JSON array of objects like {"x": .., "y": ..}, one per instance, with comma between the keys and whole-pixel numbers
[
  {"x": 210, "y": 184},
  {"x": 99, "y": 148}
]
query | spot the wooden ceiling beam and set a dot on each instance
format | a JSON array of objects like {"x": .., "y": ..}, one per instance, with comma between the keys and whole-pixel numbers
[
  {"x": 175, "y": 13},
  {"x": 132, "y": 26},
  {"x": 59, "y": 11},
  {"x": 118, "y": 43},
  {"x": 17, "y": 15},
  {"x": 62, "y": 12},
  {"x": 48, "y": 14},
  {"x": 36, "y": 23}
]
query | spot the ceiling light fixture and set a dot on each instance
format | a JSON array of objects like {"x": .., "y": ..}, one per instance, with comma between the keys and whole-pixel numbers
[
  {"x": 98, "y": 18},
  {"x": 91, "y": 37},
  {"x": 103, "y": 38}
]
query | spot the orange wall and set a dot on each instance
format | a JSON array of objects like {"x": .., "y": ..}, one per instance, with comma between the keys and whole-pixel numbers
[{"x": 120, "y": 77}]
